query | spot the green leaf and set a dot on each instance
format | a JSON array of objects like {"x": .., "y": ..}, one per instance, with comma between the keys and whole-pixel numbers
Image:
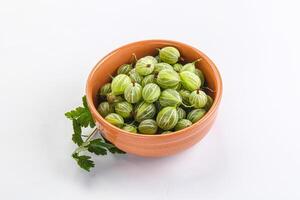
[
  {"x": 89, "y": 118},
  {"x": 84, "y": 102},
  {"x": 73, "y": 114},
  {"x": 84, "y": 162},
  {"x": 116, "y": 150},
  {"x": 92, "y": 123},
  {"x": 82, "y": 114},
  {"x": 69, "y": 115},
  {"x": 76, "y": 137},
  {"x": 113, "y": 149},
  {"x": 97, "y": 147},
  {"x": 84, "y": 119}
]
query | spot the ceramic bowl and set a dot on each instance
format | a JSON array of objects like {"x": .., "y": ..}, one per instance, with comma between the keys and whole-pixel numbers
[{"x": 152, "y": 145}]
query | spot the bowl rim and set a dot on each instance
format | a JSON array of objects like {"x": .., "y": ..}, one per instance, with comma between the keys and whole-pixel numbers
[{"x": 207, "y": 115}]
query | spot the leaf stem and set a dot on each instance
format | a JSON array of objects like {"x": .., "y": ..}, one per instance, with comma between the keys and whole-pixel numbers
[
  {"x": 80, "y": 149},
  {"x": 83, "y": 146},
  {"x": 91, "y": 135}
]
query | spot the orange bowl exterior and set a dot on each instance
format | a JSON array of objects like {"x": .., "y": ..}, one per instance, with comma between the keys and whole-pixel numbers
[{"x": 152, "y": 145}]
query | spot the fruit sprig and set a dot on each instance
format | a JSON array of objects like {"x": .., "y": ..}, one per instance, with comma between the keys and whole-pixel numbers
[{"x": 82, "y": 118}]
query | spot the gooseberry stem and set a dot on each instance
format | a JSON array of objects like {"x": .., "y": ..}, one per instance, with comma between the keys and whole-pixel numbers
[
  {"x": 209, "y": 89},
  {"x": 198, "y": 60},
  {"x": 134, "y": 58},
  {"x": 186, "y": 105}
]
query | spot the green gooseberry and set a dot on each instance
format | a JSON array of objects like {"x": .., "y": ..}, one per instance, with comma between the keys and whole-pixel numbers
[
  {"x": 177, "y": 87},
  {"x": 135, "y": 77},
  {"x": 170, "y": 97},
  {"x": 191, "y": 67},
  {"x": 119, "y": 84},
  {"x": 145, "y": 65},
  {"x": 167, "y": 78},
  {"x": 124, "y": 69},
  {"x": 209, "y": 103},
  {"x": 104, "y": 108},
  {"x": 177, "y": 67},
  {"x": 148, "y": 126},
  {"x": 111, "y": 98},
  {"x": 157, "y": 58},
  {"x": 133, "y": 93},
  {"x": 200, "y": 74},
  {"x": 148, "y": 79},
  {"x": 167, "y": 118},
  {"x": 105, "y": 89},
  {"x": 198, "y": 99},
  {"x": 166, "y": 132},
  {"x": 143, "y": 111},
  {"x": 151, "y": 93},
  {"x": 169, "y": 55},
  {"x": 181, "y": 113},
  {"x": 115, "y": 119},
  {"x": 196, "y": 115},
  {"x": 185, "y": 94},
  {"x": 130, "y": 128},
  {"x": 160, "y": 66},
  {"x": 189, "y": 80},
  {"x": 182, "y": 123},
  {"x": 124, "y": 109}
]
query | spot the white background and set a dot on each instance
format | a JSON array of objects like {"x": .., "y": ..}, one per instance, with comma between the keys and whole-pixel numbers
[{"x": 47, "y": 49}]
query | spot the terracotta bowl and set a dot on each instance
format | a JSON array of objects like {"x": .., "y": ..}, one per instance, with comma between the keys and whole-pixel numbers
[{"x": 152, "y": 145}]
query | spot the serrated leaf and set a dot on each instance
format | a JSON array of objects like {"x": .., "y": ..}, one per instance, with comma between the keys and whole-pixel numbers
[
  {"x": 82, "y": 115},
  {"x": 73, "y": 114},
  {"x": 92, "y": 123},
  {"x": 76, "y": 137},
  {"x": 103, "y": 143},
  {"x": 79, "y": 110},
  {"x": 84, "y": 119},
  {"x": 96, "y": 146},
  {"x": 68, "y": 115},
  {"x": 84, "y": 161},
  {"x": 84, "y": 102},
  {"x": 113, "y": 149},
  {"x": 105, "y": 140},
  {"x": 116, "y": 150}
]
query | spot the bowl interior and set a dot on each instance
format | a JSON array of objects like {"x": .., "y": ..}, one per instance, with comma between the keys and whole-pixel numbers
[{"x": 108, "y": 66}]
